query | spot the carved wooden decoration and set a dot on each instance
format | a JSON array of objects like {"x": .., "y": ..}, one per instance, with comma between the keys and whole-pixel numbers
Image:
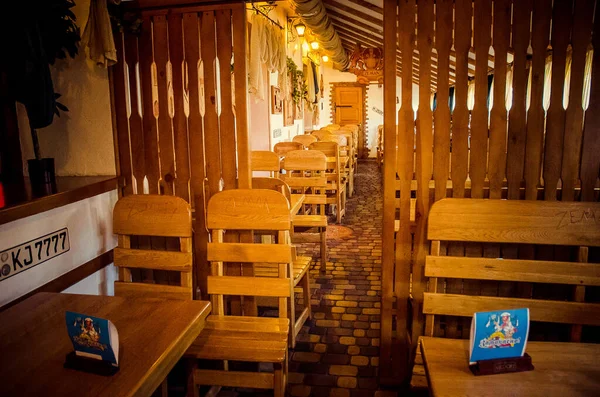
[{"x": 367, "y": 64}]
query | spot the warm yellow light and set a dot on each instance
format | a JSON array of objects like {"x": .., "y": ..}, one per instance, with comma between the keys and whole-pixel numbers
[
  {"x": 325, "y": 58},
  {"x": 300, "y": 28},
  {"x": 305, "y": 46},
  {"x": 295, "y": 47},
  {"x": 314, "y": 45}
]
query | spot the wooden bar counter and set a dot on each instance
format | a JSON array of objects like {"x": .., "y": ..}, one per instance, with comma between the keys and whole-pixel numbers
[{"x": 153, "y": 336}]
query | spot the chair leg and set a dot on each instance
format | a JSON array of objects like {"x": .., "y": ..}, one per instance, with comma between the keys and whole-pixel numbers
[
  {"x": 339, "y": 206},
  {"x": 292, "y": 332},
  {"x": 192, "y": 389},
  {"x": 306, "y": 294},
  {"x": 323, "y": 233},
  {"x": 278, "y": 381}
]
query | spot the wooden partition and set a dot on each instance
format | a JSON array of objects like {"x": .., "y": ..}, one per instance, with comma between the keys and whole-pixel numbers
[
  {"x": 528, "y": 150},
  {"x": 180, "y": 108}
]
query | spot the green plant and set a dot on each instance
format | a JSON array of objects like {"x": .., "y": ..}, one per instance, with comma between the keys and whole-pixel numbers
[{"x": 299, "y": 92}]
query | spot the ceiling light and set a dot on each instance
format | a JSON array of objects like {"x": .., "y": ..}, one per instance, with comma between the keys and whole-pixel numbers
[
  {"x": 325, "y": 58},
  {"x": 300, "y": 28},
  {"x": 314, "y": 45}
]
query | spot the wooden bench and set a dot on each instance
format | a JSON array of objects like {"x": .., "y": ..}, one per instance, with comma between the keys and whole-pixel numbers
[
  {"x": 262, "y": 160},
  {"x": 248, "y": 339},
  {"x": 459, "y": 286},
  {"x": 336, "y": 181},
  {"x": 153, "y": 215},
  {"x": 305, "y": 173}
]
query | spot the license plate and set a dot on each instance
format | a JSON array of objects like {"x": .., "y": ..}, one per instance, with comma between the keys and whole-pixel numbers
[{"x": 32, "y": 253}]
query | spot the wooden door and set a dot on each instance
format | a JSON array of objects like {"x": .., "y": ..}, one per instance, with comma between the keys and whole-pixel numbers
[{"x": 349, "y": 108}]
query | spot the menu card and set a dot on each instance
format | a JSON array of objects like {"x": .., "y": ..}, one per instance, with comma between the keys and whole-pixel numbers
[
  {"x": 499, "y": 334},
  {"x": 93, "y": 337}
]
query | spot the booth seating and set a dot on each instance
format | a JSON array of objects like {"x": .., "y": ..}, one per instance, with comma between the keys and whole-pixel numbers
[
  {"x": 305, "y": 172},
  {"x": 300, "y": 264},
  {"x": 336, "y": 182},
  {"x": 305, "y": 140},
  {"x": 160, "y": 216},
  {"x": 246, "y": 339},
  {"x": 282, "y": 148},
  {"x": 263, "y": 160}
]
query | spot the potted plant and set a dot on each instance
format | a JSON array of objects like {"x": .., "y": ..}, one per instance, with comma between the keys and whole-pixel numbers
[{"x": 43, "y": 33}]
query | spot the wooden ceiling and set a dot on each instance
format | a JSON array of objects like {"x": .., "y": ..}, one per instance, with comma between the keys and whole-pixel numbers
[{"x": 361, "y": 22}]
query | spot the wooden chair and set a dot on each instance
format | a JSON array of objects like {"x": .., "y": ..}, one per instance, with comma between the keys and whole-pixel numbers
[
  {"x": 246, "y": 339},
  {"x": 153, "y": 215},
  {"x": 320, "y": 134},
  {"x": 263, "y": 160},
  {"x": 336, "y": 183},
  {"x": 282, "y": 148},
  {"x": 305, "y": 140},
  {"x": 300, "y": 264},
  {"x": 347, "y": 148},
  {"x": 514, "y": 222},
  {"x": 305, "y": 172}
]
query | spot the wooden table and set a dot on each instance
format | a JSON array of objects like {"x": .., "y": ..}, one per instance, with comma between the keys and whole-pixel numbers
[
  {"x": 296, "y": 201},
  {"x": 153, "y": 336},
  {"x": 561, "y": 369}
]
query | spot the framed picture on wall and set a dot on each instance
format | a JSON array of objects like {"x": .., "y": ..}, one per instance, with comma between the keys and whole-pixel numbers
[{"x": 276, "y": 100}]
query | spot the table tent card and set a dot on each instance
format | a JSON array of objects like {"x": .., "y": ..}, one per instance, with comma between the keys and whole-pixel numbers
[
  {"x": 499, "y": 334},
  {"x": 93, "y": 337}
]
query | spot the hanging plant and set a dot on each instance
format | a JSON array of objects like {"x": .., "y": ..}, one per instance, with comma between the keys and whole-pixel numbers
[{"x": 300, "y": 91}]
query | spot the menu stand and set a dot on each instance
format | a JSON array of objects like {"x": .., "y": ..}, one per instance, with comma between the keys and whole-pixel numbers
[
  {"x": 91, "y": 365},
  {"x": 502, "y": 365}
]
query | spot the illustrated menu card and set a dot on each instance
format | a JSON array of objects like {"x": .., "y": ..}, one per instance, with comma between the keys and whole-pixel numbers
[
  {"x": 93, "y": 337},
  {"x": 499, "y": 334}
]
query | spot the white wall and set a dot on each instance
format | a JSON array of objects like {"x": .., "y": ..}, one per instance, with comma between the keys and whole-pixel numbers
[
  {"x": 81, "y": 140},
  {"x": 89, "y": 223}
]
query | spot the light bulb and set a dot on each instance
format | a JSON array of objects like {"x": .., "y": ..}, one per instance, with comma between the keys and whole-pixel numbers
[
  {"x": 314, "y": 45},
  {"x": 300, "y": 28},
  {"x": 325, "y": 58}
]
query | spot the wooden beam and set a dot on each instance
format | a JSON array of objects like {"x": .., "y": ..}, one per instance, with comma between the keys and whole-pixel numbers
[
  {"x": 368, "y": 6},
  {"x": 352, "y": 11}
]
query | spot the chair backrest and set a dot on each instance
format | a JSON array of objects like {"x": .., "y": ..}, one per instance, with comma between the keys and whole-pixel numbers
[
  {"x": 249, "y": 209},
  {"x": 513, "y": 222},
  {"x": 336, "y": 126},
  {"x": 332, "y": 152},
  {"x": 282, "y": 148},
  {"x": 263, "y": 160},
  {"x": 320, "y": 134},
  {"x": 153, "y": 215},
  {"x": 305, "y": 173},
  {"x": 272, "y": 184},
  {"x": 305, "y": 140},
  {"x": 346, "y": 145}
]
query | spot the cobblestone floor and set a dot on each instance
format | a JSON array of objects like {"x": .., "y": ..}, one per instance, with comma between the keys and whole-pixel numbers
[{"x": 337, "y": 353}]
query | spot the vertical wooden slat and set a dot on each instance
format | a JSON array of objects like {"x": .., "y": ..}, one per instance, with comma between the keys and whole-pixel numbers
[
  {"x": 226, "y": 120},
  {"x": 165, "y": 126},
  {"x": 238, "y": 19},
  {"x": 555, "y": 121},
  {"x": 579, "y": 290},
  {"x": 460, "y": 116},
  {"x": 405, "y": 151},
  {"x": 211, "y": 121},
  {"x": 120, "y": 108},
  {"x": 498, "y": 116},
  {"x": 517, "y": 118},
  {"x": 241, "y": 98},
  {"x": 192, "y": 58},
  {"x": 460, "y": 129},
  {"x": 149, "y": 121},
  {"x": 135, "y": 119},
  {"x": 389, "y": 197},
  {"x": 580, "y": 40},
  {"x": 479, "y": 114},
  {"x": 180, "y": 131},
  {"x": 441, "y": 147},
  {"x": 590, "y": 160},
  {"x": 424, "y": 163},
  {"x": 542, "y": 10}
]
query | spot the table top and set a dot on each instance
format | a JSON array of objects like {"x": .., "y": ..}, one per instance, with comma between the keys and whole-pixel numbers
[
  {"x": 296, "y": 201},
  {"x": 153, "y": 335},
  {"x": 561, "y": 369}
]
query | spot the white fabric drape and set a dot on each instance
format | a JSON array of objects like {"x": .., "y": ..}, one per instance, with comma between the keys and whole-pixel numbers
[
  {"x": 97, "y": 37},
  {"x": 256, "y": 84},
  {"x": 310, "y": 83}
]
